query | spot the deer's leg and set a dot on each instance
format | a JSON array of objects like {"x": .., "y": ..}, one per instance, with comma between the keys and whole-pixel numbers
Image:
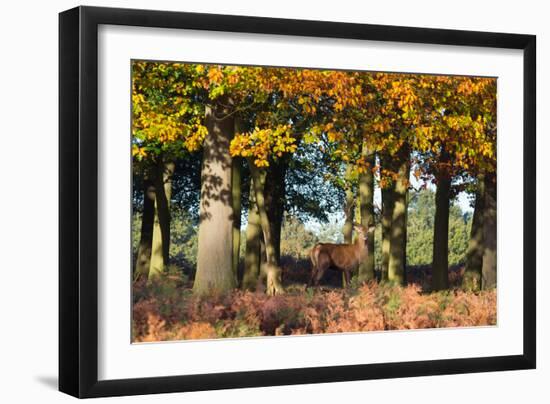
[
  {"x": 312, "y": 277},
  {"x": 347, "y": 276},
  {"x": 322, "y": 265},
  {"x": 319, "y": 276},
  {"x": 314, "y": 266}
]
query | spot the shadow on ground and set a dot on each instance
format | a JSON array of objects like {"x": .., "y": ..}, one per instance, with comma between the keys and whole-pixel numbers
[{"x": 48, "y": 381}]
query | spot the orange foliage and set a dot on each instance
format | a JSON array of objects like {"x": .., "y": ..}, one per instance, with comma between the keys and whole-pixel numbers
[{"x": 159, "y": 315}]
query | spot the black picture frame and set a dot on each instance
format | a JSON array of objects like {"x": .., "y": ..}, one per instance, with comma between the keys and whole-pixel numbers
[{"x": 78, "y": 201}]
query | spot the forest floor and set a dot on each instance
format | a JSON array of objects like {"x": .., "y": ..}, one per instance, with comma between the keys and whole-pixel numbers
[{"x": 167, "y": 310}]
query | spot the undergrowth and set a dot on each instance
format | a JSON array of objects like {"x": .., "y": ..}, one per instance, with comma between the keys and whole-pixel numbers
[{"x": 167, "y": 310}]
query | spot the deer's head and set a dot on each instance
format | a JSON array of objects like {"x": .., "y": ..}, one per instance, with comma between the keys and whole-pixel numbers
[{"x": 363, "y": 231}]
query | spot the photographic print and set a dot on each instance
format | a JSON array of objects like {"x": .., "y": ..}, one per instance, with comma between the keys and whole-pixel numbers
[
  {"x": 257, "y": 191},
  {"x": 283, "y": 201}
]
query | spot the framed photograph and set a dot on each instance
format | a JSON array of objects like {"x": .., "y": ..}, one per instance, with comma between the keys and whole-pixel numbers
[{"x": 251, "y": 201}]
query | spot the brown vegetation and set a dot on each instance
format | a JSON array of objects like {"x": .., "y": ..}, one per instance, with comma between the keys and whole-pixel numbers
[{"x": 167, "y": 310}]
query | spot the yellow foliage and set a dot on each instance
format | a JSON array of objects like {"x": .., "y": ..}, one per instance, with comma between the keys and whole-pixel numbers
[{"x": 387, "y": 110}]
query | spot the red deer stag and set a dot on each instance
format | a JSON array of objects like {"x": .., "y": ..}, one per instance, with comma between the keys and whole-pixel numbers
[{"x": 341, "y": 257}]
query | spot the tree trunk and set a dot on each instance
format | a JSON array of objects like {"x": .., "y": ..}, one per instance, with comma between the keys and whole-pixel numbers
[
  {"x": 388, "y": 202},
  {"x": 275, "y": 202},
  {"x": 160, "y": 245},
  {"x": 236, "y": 205},
  {"x": 272, "y": 272},
  {"x": 347, "y": 230},
  {"x": 398, "y": 240},
  {"x": 252, "y": 258},
  {"x": 349, "y": 211},
  {"x": 263, "y": 253},
  {"x": 489, "y": 268},
  {"x": 405, "y": 237},
  {"x": 143, "y": 260},
  {"x": 474, "y": 254},
  {"x": 366, "y": 204},
  {"x": 215, "y": 239},
  {"x": 387, "y": 214},
  {"x": 440, "y": 262}
]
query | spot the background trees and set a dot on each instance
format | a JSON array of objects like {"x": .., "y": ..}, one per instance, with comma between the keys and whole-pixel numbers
[
  {"x": 166, "y": 126},
  {"x": 297, "y": 146}
]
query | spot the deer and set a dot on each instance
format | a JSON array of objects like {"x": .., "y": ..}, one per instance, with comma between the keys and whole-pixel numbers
[{"x": 341, "y": 257}]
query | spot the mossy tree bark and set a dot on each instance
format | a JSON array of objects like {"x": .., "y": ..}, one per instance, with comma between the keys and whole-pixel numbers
[
  {"x": 440, "y": 261},
  {"x": 398, "y": 234},
  {"x": 489, "y": 268},
  {"x": 406, "y": 235},
  {"x": 366, "y": 204},
  {"x": 143, "y": 260},
  {"x": 252, "y": 258},
  {"x": 388, "y": 202},
  {"x": 347, "y": 230},
  {"x": 236, "y": 170},
  {"x": 349, "y": 211},
  {"x": 160, "y": 245},
  {"x": 263, "y": 253},
  {"x": 215, "y": 238},
  {"x": 474, "y": 255},
  {"x": 270, "y": 271},
  {"x": 387, "y": 216},
  {"x": 275, "y": 202}
]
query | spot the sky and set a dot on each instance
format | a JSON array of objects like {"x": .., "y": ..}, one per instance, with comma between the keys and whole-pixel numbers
[{"x": 337, "y": 219}]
